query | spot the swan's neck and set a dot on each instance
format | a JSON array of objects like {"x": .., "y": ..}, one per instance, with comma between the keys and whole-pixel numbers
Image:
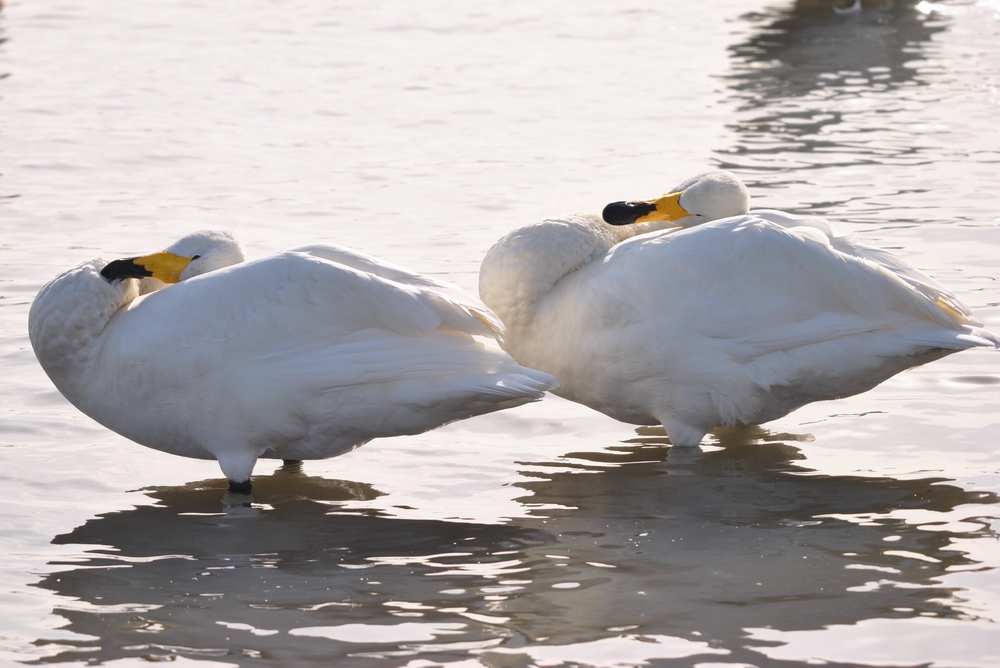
[
  {"x": 67, "y": 319},
  {"x": 524, "y": 266}
]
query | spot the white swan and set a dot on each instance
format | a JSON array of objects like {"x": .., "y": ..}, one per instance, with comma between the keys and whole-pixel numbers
[
  {"x": 305, "y": 354},
  {"x": 732, "y": 322}
]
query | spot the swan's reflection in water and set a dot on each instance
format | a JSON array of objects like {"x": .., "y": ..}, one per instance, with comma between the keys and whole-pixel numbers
[
  {"x": 805, "y": 46},
  {"x": 816, "y": 90},
  {"x": 206, "y": 574},
  {"x": 709, "y": 544},
  {"x": 677, "y": 553}
]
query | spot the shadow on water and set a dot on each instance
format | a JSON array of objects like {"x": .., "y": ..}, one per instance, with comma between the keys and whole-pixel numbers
[{"x": 638, "y": 551}]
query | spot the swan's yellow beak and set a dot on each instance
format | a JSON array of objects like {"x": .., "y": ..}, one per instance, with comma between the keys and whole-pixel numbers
[
  {"x": 163, "y": 266},
  {"x": 666, "y": 208}
]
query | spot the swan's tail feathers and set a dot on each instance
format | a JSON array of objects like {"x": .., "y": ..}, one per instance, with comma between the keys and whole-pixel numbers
[
  {"x": 500, "y": 391},
  {"x": 967, "y": 337},
  {"x": 528, "y": 385},
  {"x": 979, "y": 337}
]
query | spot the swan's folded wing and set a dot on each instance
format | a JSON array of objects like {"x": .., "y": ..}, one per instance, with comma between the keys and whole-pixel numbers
[
  {"x": 765, "y": 288},
  {"x": 295, "y": 326},
  {"x": 845, "y": 243},
  {"x": 430, "y": 367},
  {"x": 916, "y": 279}
]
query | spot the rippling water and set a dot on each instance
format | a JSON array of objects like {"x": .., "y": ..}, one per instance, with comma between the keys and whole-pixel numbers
[{"x": 861, "y": 532}]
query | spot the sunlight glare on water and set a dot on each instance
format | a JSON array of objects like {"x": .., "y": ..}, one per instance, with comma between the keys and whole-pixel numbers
[{"x": 860, "y": 532}]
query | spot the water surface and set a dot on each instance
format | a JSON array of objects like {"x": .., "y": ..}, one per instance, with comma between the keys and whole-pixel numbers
[{"x": 861, "y": 532}]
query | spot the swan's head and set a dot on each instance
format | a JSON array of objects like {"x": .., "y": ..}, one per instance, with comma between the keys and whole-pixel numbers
[
  {"x": 706, "y": 197},
  {"x": 192, "y": 255}
]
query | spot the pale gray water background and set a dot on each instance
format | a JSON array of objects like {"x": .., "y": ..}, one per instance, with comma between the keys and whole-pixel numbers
[{"x": 861, "y": 532}]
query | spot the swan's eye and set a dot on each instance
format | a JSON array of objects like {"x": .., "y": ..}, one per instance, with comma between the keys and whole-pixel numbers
[{"x": 195, "y": 257}]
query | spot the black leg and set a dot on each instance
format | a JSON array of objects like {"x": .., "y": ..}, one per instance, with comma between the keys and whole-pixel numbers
[{"x": 239, "y": 487}]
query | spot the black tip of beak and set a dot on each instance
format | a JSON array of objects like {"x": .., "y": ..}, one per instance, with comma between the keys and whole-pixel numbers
[
  {"x": 626, "y": 213},
  {"x": 121, "y": 269}
]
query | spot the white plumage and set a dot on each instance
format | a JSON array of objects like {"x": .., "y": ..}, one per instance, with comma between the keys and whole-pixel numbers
[
  {"x": 305, "y": 354},
  {"x": 732, "y": 322}
]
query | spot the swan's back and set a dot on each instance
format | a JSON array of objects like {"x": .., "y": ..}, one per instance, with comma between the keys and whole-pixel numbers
[{"x": 448, "y": 292}]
